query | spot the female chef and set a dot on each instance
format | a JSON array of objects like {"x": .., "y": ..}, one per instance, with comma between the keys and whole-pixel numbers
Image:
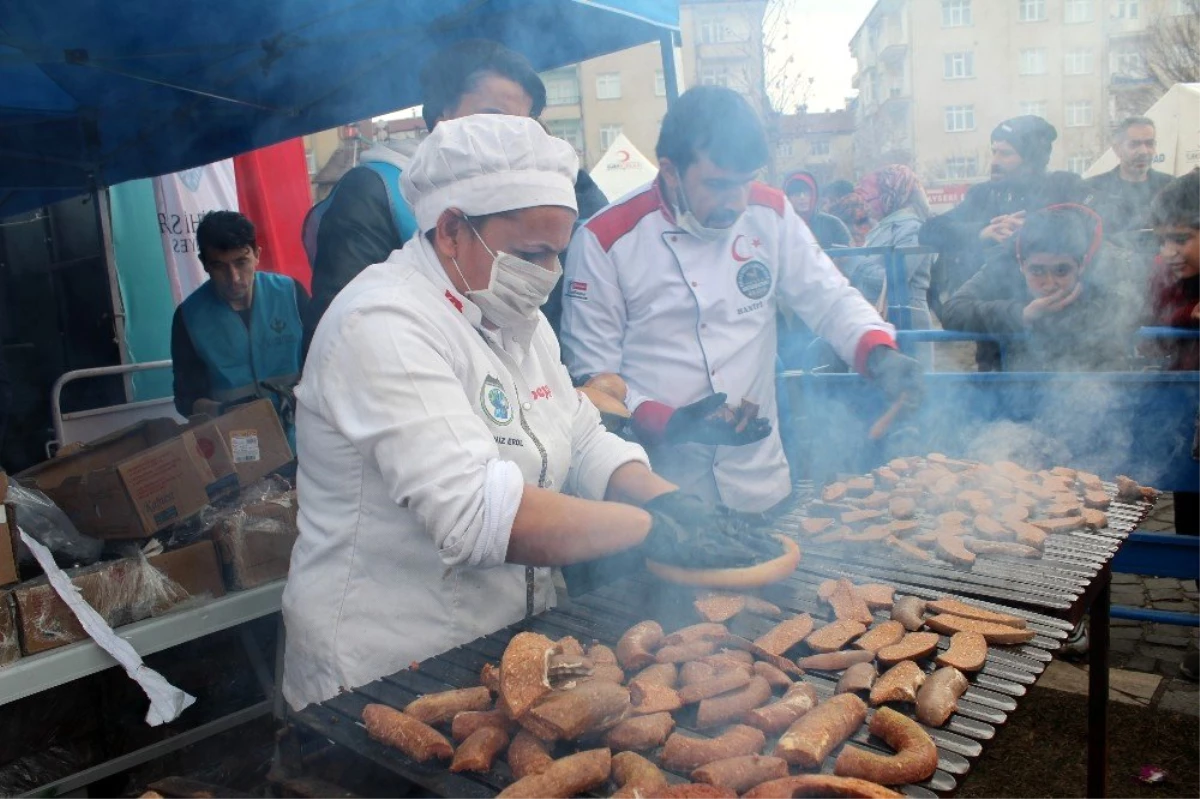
[{"x": 443, "y": 452}]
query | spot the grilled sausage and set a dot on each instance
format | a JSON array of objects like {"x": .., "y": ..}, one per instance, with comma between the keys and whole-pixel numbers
[
  {"x": 640, "y": 733},
  {"x": 900, "y": 683},
  {"x": 994, "y": 633},
  {"x": 820, "y": 785},
  {"x": 647, "y": 698},
  {"x": 1010, "y": 548},
  {"x": 719, "y": 607},
  {"x": 570, "y": 714},
  {"x": 684, "y": 754},
  {"x": 859, "y": 677},
  {"x": 836, "y": 661},
  {"x": 968, "y": 611},
  {"x": 695, "y": 671},
  {"x": 776, "y": 717},
  {"x": 834, "y": 636},
  {"x": 523, "y": 672},
  {"x": 847, "y": 604},
  {"x": 706, "y": 631},
  {"x": 950, "y": 548},
  {"x": 915, "y": 759},
  {"x": 761, "y": 607},
  {"x": 733, "y": 705},
  {"x": 721, "y": 682},
  {"x": 469, "y": 721},
  {"x": 1064, "y": 524},
  {"x": 833, "y": 492},
  {"x": 1028, "y": 534},
  {"x": 815, "y": 525},
  {"x": 635, "y": 650},
  {"x": 913, "y": 646},
  {"x": 566, "y": 777},
  {"x": 883, "y": 634},
  {"x": 908, "y": 549},
  {"x": 909, "y": 611},
  {"x": 411, "y": 736},
  {"x": 775, "y": 676},
  {"x": 902, "y": 508},
  {"x": 695, "y": 790},
  {"x": 967, "y": 652},
  {"x": 938, "y": 697},
  {"x": 664, "y": 674},
  {"x": 602, "y": 655},
  {"x": 479, "y": 750},
  {"x": 810, "y": 739},
  {"x": 859, "y": 517},
  {"x": 860, "y": 486},
  {"x": 1094, "y": 519},
  {"x": 682, "y": 653},
  {"x": 786, "y": 634},
  {"x": 989, "y": 528},
  {"x": 636, "y": 776},
  {"x": 741, "y": 773},
  {"x": 528, "y": 755},
  {"x": 443, "y": 706}
]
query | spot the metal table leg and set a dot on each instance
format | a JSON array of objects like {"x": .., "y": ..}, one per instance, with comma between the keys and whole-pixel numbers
[{"x": 1097, "y": 763}]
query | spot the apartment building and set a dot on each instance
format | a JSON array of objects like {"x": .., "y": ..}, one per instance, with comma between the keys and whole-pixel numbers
[
  {"x": 936, "y": 76},
  {"x": 822, "y": 144}
]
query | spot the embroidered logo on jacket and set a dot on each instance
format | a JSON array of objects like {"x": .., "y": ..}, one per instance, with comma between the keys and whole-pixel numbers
[
  {"x": 494, "y": 401},
  {"x": 754, "y": 280},
  {"x": 577, "y": 290}
]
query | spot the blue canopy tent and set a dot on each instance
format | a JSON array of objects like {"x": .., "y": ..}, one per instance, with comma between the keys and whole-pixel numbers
[{"x": 93, "y": 94}]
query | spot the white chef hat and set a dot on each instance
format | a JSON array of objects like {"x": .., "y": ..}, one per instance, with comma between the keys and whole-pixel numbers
[{"x": 488, "y": 163}]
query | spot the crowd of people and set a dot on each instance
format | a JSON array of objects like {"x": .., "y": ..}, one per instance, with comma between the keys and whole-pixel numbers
[{"x": 460, "y": 295}]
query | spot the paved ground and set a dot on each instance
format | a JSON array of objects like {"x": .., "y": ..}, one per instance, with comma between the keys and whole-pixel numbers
[{"x": 1145, "y": 656}]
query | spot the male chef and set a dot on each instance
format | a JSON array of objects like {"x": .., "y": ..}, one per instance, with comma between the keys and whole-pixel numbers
[{"x": 676, "y": 289}]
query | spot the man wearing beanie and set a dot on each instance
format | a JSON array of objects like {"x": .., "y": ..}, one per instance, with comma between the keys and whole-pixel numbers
[{"x": 994, "y": 211}]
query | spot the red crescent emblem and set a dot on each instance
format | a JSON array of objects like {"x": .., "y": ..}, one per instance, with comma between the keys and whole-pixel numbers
[
  {"x": 734, "y": 251},
  {"x": 624, "y": 155}
]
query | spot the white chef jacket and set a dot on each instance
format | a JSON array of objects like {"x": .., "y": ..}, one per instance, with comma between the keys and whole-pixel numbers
[
  {"x": 680, "y": 318},
  {"x": 417, "y": 429}
]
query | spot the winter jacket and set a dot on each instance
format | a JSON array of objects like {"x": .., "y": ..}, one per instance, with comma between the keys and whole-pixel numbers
[{"x": 1123, "y": 206}]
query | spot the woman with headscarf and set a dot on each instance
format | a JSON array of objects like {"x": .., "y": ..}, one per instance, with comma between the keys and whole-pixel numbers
[
  {"x": 894, "y": 196},
  {"x": 853, "y": 212},
  {"x": 445, "y": 459}
]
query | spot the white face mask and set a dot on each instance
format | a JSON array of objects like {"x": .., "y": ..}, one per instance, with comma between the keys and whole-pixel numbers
[
  {"x": 688, "y": 221},
  {"x": 516, "y": 288}
]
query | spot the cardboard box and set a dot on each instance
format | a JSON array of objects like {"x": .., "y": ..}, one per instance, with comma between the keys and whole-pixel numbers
[
  {"x": 122, "y": 591},
  {"x": 256, "y": 542},
  {"x": 143, "y": 479},
  {"x": 8, "y": 536},
  {"x": 10, "y": 643}
]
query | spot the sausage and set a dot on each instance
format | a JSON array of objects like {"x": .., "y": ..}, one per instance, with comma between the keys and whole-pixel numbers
[
  {"x": 733, "y": 705},
  {"x": 820, "y": 785},
  {"x": 860, "y": 486},
  {"x": 810, "y": 739},
  {"x": 652, "y": 697},
  {"x": 815, "y": 525},
  {"x": 902, "y": 508},
  {"x": 479, "y": 750},
  {"x": 967, "y": 652},
  {"x": 718, "y": 607},
  {"x": 775, "y": 676},
  {"x": 776, "y": 717},
  {"x": 786, "y": 634},
  {"x": 640, "y": 733},
  {"x": 602, "y": 655},
  {"x": 888, "y": 475},
  {"x": 695, "y": 671},
  {"x": 1010, "y": 548},
  {"x": 909, "y": 611},
  {"x": 411, "y": 736},
  {"x": 565, "y": 777},
  {"x": 859, "y": 677},
  {"x": 1094, "y": 519},
  {"x": 727, "y": 658},
  {"x": 761, "y": 607},
  {"x": 915, "y": 759},
  {"x": 1014, "y": 513},
  {"x": 636, "y": 776},
  {"x": 900, "y": 683},
  {"x": 969, "y": 611},
  {"x": 681, "y": 653},
  {"x": 834, "y": 636},
  {"x": 1062, "y": 524},
  {"x": 994, "y": 633},
  {"x": 938, "y": 697},
  {"x": 528, "y": 755},
  {"x": 1028, "y": 534},
  {"x": 692, "y": 790},
  {"x": 875, "y": 500},
  {"x": 684, "y": 754},
  {"x": 900, "y": 465},
  {"x": 489, "y": 678},
  {"x": 757, "y": 652},
  {"x": 858, "y": 517},
  {"x": 883, "y": 634},
  {"x": 568, "y": 715},
  {"x": 610, "y": 672},
  {"x": 877, "y": 595},
  {"x": 664, "y": 674},
  {"x": 523, "y": 672},
  {"x": 707, "y": 631},
  {"x": 1063, "y": 510},
  {"x": 741, "y": 773},
  {"x": 441, "y": 707},
  {"x": 913, "y": 646},
  {"x": 952, "y": 518},
  {"x": 569, "y": 645},
  {"x": 833, "y": 492},
  {"x": 469, "y": 721},
  {"x": 836, "y": 661},
  {"x": 721, "y": 682},
  {"x": 847, "y": 604},
  {"x": 950, "y": 548},
  {"x": 989, "y": 528},
  {"x": 908, "y": 549},
  {"x": 635, "y": 650}
]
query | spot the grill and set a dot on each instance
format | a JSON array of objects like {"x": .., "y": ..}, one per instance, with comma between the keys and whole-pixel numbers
[{"x": 1046, "y": 594}]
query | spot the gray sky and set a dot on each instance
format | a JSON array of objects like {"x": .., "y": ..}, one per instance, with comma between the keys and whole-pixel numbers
[{"x": 819, "y": 38}]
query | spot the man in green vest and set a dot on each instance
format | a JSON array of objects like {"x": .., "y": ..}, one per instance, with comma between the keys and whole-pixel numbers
[{"x": 238, "y": 336}]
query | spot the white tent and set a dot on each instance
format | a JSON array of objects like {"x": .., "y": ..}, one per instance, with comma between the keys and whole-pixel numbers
[
  {"x": 1177, "y": 122},
  {"x": 622, "y": 169}
]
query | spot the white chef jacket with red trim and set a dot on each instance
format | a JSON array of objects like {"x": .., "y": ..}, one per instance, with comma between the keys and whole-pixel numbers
[{"x": 680, "y": 318}]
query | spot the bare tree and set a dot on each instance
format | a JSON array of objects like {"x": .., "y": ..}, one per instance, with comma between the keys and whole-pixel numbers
[
  {"x": 1172, "y": 52},
  {"x": 786, "y": 89}
]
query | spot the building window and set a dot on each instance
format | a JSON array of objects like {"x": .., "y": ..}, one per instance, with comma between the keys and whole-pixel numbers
[
  {"x": 962, "y": 166},
  {"x": 1079, "y": 163},
  {"x": 1031, "y": 10},
  {"x": 956, "y": 13},
  {"x": 819, "y": 147},
  {"x": 562, "y": 88},
  {"x": 608, "y": 86},
  {"x": 1075, "y": 11},
  {"x": 569, "y": 130},
  {"x": 1078, "y": 62},
  {"x": 660, "y": 83},
  {"x": 784, "y": 148},
  {"x": 714, "y": 75},
  {"x": 1126, "y": 9},
  {"x": 960, "y": 118},
  {"x": 608, "y": 135},
  {"x": 1035, "y": 108},
  {"x": 958, "y": 65},
  {"x": 713, "y": 30},
  {"x": 1079, "y": 114},
  {"x": 1127, "y": 64},
  {"x": 1033, "y": 61}
]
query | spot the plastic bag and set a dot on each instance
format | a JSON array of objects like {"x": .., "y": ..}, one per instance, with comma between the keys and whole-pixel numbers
[{"x": 45, "y": 522}]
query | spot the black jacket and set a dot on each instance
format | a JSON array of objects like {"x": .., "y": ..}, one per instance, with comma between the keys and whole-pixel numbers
[
  {"x": 358, "y": 230},
  {"x": 1123, "y": 206}
]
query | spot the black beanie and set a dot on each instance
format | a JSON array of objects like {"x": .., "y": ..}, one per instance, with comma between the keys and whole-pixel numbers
[{"x": 1031, "y": 136}]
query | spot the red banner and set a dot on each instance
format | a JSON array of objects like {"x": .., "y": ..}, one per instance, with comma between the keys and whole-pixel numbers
[{"x": 273, "y": 190}]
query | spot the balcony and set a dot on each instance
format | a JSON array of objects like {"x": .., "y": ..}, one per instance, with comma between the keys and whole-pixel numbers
[{"x": 893, "y": 51}]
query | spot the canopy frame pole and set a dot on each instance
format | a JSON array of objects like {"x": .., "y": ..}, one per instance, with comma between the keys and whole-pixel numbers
[
  {"x": 104, "y": 217},
  {"x": 666, "y": 45}
]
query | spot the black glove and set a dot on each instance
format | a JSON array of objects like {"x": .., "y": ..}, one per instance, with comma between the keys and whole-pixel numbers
[
  {"x": 898, "y": 375},
  {"x": 689, "y": 532},
  {"x": 702, "y": 422}
]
